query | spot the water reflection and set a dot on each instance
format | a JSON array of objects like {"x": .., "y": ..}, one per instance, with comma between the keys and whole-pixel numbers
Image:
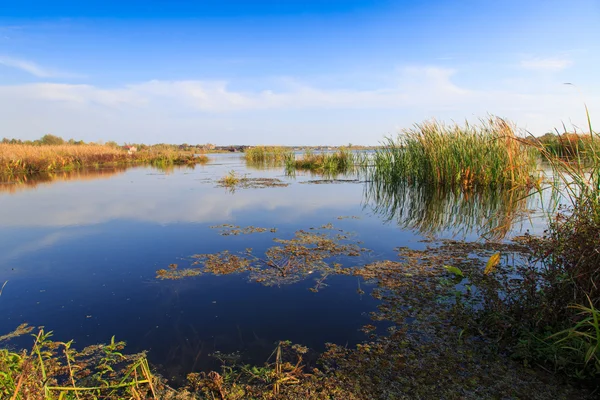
[
  {"x": 21, "y": 183},
  {"x": 434, "y": 211}
]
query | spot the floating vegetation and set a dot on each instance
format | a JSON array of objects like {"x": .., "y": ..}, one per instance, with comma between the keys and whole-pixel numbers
[
  {"x": 21, "y": 330},
  {"x": 233, "y": 181},
  {"x": 429, "y": 351},
  {"x": 431, "y": 348},
  {"x": 488, "y": 155},
  {"x": 348, "y": 217},
  {"x": 290, "y": 261},
  {"x": 329, "y": 181},
  {"x": 234, "y": 230}
]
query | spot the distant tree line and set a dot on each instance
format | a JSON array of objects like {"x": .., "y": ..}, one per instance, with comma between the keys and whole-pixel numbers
[
  {"x": 48, "y": 139},
  {"x": 54, "y": 140}
]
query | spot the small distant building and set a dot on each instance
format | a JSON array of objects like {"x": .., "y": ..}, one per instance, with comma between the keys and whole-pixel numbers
[{"x": 130, "y": 149}]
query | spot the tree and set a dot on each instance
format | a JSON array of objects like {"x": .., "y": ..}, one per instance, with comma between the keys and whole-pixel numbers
[{"x": 49, "y": 139}]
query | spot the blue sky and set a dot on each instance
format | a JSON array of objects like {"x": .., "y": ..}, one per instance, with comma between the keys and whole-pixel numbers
[{"x": 291, "y": 72}]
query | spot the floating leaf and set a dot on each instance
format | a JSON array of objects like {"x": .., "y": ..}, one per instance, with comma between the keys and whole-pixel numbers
[
  {"x": 454, "y": 270},
  {"x": 492, "y": 264}
]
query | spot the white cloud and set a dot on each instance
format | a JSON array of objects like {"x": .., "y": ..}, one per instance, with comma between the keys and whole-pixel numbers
[
  {"x": 429, "y": 85},
  {"x": 546, "y": 64},
  {"x": 33, "y": 68},
  {"x": 286, "y": 112}
]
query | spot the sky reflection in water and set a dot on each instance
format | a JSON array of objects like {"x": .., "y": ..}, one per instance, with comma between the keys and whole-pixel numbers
[{"x": 81, "y": 254}]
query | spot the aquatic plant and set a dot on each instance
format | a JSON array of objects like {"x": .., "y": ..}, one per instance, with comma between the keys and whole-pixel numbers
[
  {"x": 235, "y": 230},
  {"x": 268, "y": 154},
  {"x": 291, "y": 260},
  {"x": 487, "y": 155},
  {"x": 233, "y": 181},
  {"x": 332, "y": 163}
]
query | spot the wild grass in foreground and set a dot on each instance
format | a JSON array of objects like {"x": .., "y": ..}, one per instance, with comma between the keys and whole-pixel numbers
[
  {"x": 18, "y": 160},
  {"x": 55, "y": 370},
  {"x": 474, "y": 155}
]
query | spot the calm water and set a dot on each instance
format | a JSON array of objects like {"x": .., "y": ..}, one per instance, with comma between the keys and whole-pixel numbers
[{"x": 80, "y": 255}]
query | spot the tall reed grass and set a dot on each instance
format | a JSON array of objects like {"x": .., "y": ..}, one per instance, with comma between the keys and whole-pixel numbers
[
  {"x": 341, "y": 161},
  {"x": 23, "y": 160},
  {"x": 268, "y": 154},
  {"x": 473, "y": 155}
]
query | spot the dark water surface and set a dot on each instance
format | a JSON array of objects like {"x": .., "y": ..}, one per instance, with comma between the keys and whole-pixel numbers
[{"x": 80, "y": 255}]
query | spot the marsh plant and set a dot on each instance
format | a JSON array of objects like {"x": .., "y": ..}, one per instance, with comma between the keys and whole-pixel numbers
[
  {"x": 473, "y": 155},
  {"x": 318, "y": 251},
  {"x": 19, "y": 160},
  {"x": 341, "y": 161},
  {"x": 272, "y": 155}
]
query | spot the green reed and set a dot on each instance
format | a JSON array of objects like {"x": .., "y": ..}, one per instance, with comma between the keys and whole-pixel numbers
[
  {"x": 340, "y": 161},
  {"x": 268, "y": 154},
  {"x": 487, "y": 154}
]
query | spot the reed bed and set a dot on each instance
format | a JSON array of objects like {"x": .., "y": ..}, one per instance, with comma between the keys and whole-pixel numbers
[
  {"x": 24, "y": 160},
  {"x": 268, "y": 154},
  {"x": 488, "y": 154},
  {"x": 341, "y": 161}
]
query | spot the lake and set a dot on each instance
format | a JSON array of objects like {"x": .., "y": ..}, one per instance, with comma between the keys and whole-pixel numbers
[{"x": 81, "y": 252}]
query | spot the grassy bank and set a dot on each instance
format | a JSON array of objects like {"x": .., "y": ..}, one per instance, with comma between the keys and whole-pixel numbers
[
  {"x": 474, "y": 155},
  {"x": 23, "y": 160}
]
